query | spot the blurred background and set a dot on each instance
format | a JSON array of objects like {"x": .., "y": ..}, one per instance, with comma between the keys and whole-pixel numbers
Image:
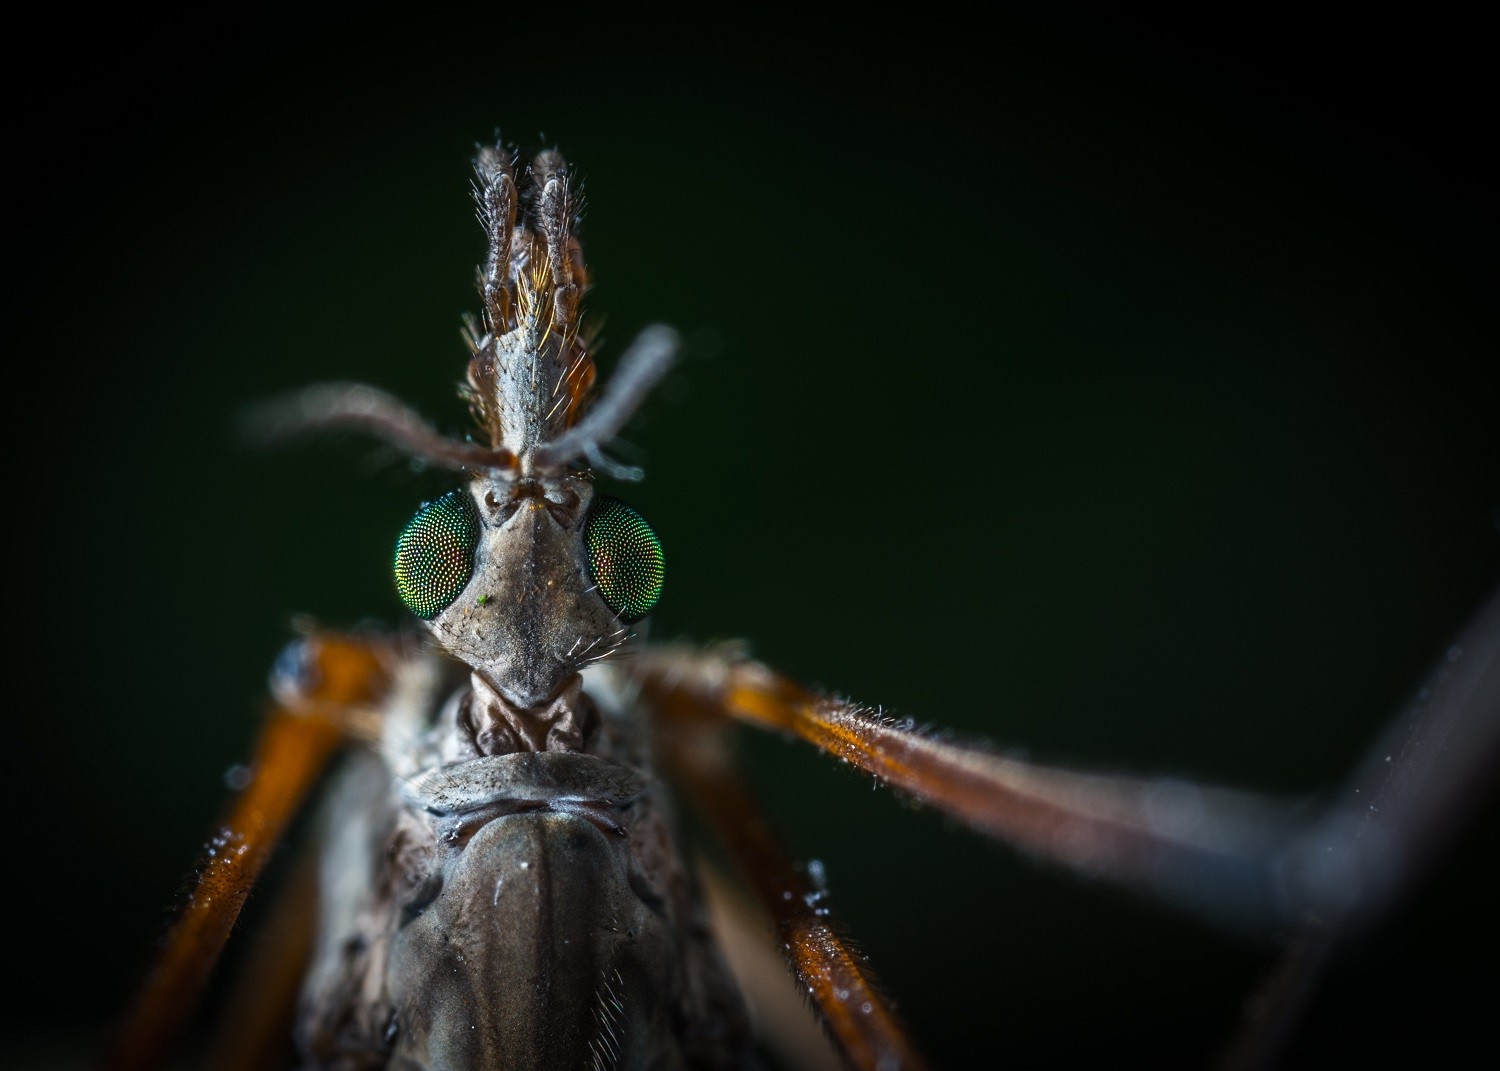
[{"x": 1122, "y": 397}]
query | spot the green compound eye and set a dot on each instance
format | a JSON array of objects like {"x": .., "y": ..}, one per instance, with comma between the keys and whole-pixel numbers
[
  {"x": 625, "y": 558},
  {"x": 435, "y": 554}
]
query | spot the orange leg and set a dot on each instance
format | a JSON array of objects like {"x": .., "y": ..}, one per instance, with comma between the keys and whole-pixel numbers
[
  {"x": 256, "y": 1032},
  {"x": 839, "y": 981},
  {"x": 1207, "y": 849},
  {"x": 338, "y": 675}
]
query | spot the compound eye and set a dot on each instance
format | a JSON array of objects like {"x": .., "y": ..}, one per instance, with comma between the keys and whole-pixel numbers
[
  {"x": 435, "y": 554},
  {"x": 625, "y": 558}
]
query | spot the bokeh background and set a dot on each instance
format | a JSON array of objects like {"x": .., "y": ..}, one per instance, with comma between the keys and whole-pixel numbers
[{"x": 1122, "y": 395}]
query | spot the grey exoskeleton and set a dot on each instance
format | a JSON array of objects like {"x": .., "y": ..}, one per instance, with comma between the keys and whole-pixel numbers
[{"x": 502, "y": 886}]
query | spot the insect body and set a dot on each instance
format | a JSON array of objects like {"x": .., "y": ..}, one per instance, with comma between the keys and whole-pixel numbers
[
  {"x": 511, "y": 828},
  {"x": 528, "y": 842},
  {"x": 501, "y": 883}
]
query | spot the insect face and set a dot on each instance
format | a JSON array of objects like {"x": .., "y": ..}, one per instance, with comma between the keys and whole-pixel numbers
[
  {"x": 528, "y": 581},
  {"x": 529, "y": 617}
]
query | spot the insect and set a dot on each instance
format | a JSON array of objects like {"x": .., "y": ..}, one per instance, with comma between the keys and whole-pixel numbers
[{"x": 528, "y": 576}]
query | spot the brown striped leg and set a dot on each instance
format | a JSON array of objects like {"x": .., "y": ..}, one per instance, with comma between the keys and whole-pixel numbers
[
  {"x": 256, "y": 1032},
  {"x": 335, "y": 678},
  {"x": 1214, "y": 851},
  {"x": 1232, "y": 857},
  {"x": 740, "y": 925},
  {"x": 694, "y": 746}
]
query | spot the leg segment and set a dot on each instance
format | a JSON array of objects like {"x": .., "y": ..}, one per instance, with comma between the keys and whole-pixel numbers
[
  {"x": 317, "y": 703},
  {"x": 694, "y": 748},
  {"x": 1210, "y": 850},
  {"x": 262, "y": 1001},
  {"x": 1235, "y": 858},
  {"x": 740, "y": 926}
]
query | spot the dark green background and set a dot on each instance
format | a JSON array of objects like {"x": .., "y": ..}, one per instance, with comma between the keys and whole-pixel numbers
[{"x": 1120, "y": 395}]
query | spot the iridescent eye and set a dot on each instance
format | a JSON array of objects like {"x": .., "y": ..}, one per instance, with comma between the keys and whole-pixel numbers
[
  {"x": 625, "y": 558},
  {"x": 435, "y": 554}
]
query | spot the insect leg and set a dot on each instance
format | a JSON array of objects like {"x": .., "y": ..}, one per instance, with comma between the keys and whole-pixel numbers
[
  {"x": 1236, "y": 858},
  {"x": 838, "y": 980},
  {"x": 740, "y": 926},
  {"x": 262, "y": 1000},
  {"x": 1210, "y": 850},
  {"x": 320, "y": 686}
]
